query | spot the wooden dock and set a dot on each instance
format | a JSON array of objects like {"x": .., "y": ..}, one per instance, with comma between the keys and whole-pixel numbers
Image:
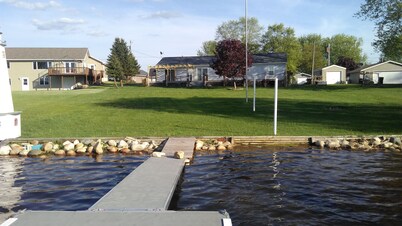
[{"x": 142, "y": 198}]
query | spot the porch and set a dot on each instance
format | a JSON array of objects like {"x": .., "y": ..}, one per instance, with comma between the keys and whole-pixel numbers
[{"x": 68, "y": 76}]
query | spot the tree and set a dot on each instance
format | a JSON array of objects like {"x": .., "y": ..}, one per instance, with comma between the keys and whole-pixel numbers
[
  {"x": 343, "y": 45},
  {"x": 230, "y": 59},
  {"x": 347, "y": 62},
  {"x": 279, "y": 38},
  {"x": 234, "y": 29},
  {"x": 207, "y": 49},
  {"x": 387, "y": 16},
  {"x": 114, "y": 68},
  {"x": 123, "y": 54},
  {"x": 309, "y": 43}
]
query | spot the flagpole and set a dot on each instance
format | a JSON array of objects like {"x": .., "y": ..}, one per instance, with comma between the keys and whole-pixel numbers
[{"x": 246, "y": 36}]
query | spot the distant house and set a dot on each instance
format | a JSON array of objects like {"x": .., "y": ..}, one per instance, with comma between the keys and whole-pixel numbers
[
  {"x": 332, "y": 74},
  {"x": 389, "y": 72},
  {"x": 196, "y": 70},
  {"x": 302, "y": 78},
  {"x": 48, "y": 68}
]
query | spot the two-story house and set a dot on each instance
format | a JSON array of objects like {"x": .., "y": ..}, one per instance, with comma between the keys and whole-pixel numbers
[{"x": 52, "y": 68}]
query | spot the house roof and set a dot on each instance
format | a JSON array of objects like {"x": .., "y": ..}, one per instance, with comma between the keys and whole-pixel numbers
[
  {"x": 318, "y": 71},
  {"x": 366, "y": 67},
  {"x": 46, "y": 53},
  {"x": 207, "y": 60}
]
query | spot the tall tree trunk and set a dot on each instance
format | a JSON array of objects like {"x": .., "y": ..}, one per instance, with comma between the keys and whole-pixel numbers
[
  {"x": 121, "y": 82},
  {"x": 115, "y": 83}
]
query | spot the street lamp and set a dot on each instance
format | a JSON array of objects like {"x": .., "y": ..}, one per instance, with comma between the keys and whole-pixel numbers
[{"x": 246, "y": 35}]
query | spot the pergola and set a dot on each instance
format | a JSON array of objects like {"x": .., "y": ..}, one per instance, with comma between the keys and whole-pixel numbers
[{"x": 174, "y": 67}]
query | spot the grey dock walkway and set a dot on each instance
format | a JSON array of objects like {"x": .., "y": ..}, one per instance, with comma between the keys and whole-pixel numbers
[
  {"x": 89, "y": 218},
  {"x": 142, "y": 198}
]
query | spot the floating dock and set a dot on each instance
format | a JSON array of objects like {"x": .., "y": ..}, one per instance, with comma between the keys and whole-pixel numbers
[{"x": 142, "y": 198}]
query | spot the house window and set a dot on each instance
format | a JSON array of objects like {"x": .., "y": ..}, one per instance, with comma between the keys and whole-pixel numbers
[
  {"x": 271, "y": 70},
  {"x": 44, "y": 80},
  {"x": 201, "y": 72},
  {"x": 41, "y": 64}
]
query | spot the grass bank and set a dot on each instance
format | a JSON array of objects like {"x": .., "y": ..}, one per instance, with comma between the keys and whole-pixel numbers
[{"x": 157, "y": 111}]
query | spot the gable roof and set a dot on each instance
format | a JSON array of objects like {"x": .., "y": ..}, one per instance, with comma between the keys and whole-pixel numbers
[
  {"x": 46, "y": 53},
  {"x": 207, "y": 60},
  {"x": 366, "y": 67}
]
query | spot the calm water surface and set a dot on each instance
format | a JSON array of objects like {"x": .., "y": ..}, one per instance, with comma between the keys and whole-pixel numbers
[
  {"x": 257, "y": 187},
  {"x": 59, "y": 183},
  {"x": 288, "y": 187}
]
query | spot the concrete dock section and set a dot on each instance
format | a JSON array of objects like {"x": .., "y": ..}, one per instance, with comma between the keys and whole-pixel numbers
[
  {"x": 142, "y": 198},
  {"x": 149, "y": 187},
  {"x": 119, "y": 218}
]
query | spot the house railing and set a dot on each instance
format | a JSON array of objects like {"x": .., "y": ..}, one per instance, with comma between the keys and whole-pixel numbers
[
  {"x": 72, "y": 71},
  {"x": 68, "y": 71}
]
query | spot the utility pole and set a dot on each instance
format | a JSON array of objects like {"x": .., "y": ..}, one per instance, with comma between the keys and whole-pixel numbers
[
  {"x": 312, "y": 65},
  {"x": 329, "y": 54}
]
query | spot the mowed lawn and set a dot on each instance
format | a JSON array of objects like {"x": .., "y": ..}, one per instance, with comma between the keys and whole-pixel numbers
[{"x": 158, "y": 111}]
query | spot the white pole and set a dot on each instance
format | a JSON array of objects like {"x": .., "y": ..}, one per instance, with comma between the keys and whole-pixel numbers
[
  {"x": 276, "y": 106},
  {"x": 254, "y": 83},
  {"x": 245, "y": 33}
]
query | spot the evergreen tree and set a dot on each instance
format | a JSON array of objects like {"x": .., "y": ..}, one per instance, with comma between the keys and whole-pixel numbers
[
  {"x": 124, "y": 56},
  {"x": 114, "y": 68}
]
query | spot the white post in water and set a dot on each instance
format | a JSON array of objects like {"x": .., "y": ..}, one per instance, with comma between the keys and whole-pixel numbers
[
  {"x": 9, "y": 120},
  {"x": 254, "y": 84},
  {"x": 276, "y": 105}
]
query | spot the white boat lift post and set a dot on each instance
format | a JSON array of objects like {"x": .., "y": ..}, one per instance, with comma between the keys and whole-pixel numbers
[
  {"x": 254, "y": 86},
  {"x": 275, "y": 105}
]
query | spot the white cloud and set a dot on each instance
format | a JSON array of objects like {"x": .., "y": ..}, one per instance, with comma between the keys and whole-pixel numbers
[
  {"x": 32, "y": 5},
  {"x": 97, "y": 33},
  {"x": 59, "y": 24},
  {"x": 161, "y": 15}
]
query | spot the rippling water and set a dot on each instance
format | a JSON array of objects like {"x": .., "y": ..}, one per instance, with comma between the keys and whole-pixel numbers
[
  {"x": 304, "y": 187},
  {"x": 59, "y": 183}
]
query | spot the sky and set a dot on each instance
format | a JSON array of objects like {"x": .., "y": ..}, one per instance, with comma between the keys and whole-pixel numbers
[{"x": 173, "y": 27}]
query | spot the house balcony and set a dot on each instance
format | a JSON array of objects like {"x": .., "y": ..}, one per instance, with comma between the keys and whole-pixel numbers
[{"x": 90, "y": 76}]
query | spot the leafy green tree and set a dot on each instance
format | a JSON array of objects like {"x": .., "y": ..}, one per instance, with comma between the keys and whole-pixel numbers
[
  {"x": 230, "y": 59},
  {"x": 234, "y": 29},
  {"x": 343, "y": 45},
  {"x": 207, "y": 48},
  {"x": 114, "y": 68},
  {"x": 387, "y": 15},
  {"x": 279, "y": 38},
  {"x": 123, "y": 54},
  {"x": 309, "y": 43}
]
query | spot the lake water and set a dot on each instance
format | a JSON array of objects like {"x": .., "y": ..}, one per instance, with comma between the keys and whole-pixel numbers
[
  {"x": 60, "y": 183},
  {"x": 274, "y": 186},
  {"x": 296, "y": 187}
]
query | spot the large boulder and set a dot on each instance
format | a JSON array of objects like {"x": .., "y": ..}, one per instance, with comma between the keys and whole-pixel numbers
[
  {"x": 24, "y": 152},
  {"x": 35, "y": 153},
  {"x": 179, "y": 154},
  {"x": 69, "y": 146},
  {"x": 198, "y": 145},
  {"x": 395, "y": 140},
  {"x": 98, "y": 147},
  {"x": 122, "y": 144},
  {"x": 60, "y": 152},
  {"x": 5, "y": 150},
  {"x": 47, "y": 147},
  {"x": 112, "y": 143}
]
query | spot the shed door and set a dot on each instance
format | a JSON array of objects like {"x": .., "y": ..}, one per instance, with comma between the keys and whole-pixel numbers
[{"x": 333, "y": 77}]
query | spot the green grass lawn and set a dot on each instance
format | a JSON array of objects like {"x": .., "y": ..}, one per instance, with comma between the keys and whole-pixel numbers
[{"x": 156, "y": 111}]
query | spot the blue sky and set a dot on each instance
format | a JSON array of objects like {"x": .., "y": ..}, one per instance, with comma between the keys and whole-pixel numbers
[{"x": 174, "y": 27}]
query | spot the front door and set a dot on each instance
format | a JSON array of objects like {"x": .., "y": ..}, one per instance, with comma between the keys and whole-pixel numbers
[{"x": 24, "y": 83}]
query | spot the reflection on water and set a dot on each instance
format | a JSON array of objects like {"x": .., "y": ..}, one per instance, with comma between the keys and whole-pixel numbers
[
  {"x": 304, "y": 187},
  {"x": 59, "y": 183},
  {"x": 9, "y": 194}
]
